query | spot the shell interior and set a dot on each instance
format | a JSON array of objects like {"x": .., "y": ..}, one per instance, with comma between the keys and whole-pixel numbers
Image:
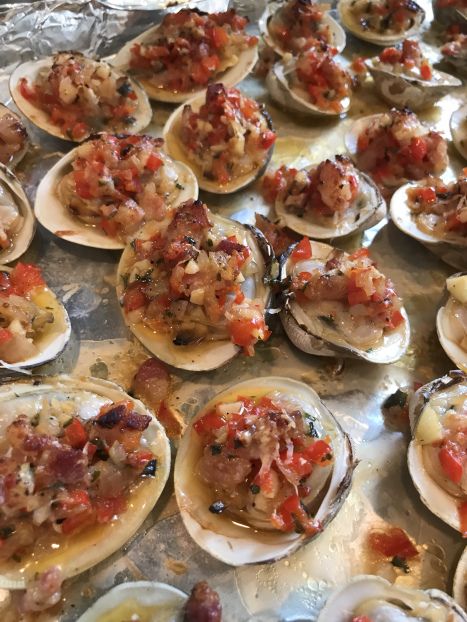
[
  {"x": 445, "y": 335},
  {"x": 226, "y": 539},
  {"x": 94, "y": 544},
  {"x": 460, "y": 581},
  {"x": 23, "y": 238},
  {"x": 22, "y": 152},
  {"x": 458, "y": 126}
]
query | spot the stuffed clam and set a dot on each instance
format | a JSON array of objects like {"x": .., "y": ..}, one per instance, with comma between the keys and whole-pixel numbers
[
  {"x": 313, "y": 83},
  {"x": 454, "y": 51},
  {"x": 450, "y": 11},
  {"x": 17, "y": 223},
  {"x": 179, "y": 57},
  {"x": 330, "y": 200},
  {"x": 225, "y": 137},
  {"x": 459, "y": 130},
  {"x": 435, "y": 213},
  {"x": 403, "y": 77},
  {"x": 338, "y": 304},
  {"x": 100, "y": 193},
  {"x": 459, "y": 587},
  {"x": 451, "y": 321},
  {"x": 369, "y": 597},
  {"x": 437, "y": 453},
  {"x": 72, "y": 96},
  {"x": 89, "y": 464},
  {"x": 192, "y": 288},
  {"x": 294, "y": 26},
  {"x": 14, "y": 141},
  {"x": 381, "y": 22},
  {"x": 261, "y": 470}
]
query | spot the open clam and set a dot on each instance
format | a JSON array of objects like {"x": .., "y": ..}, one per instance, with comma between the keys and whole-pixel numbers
[
  {"x": 14, "y": 141},
  {"x": 77, "y": 120},
  {"x": 358, "y": 18},
  {"x": 258, "y": 528},
  {"x": 372, "y": 597},
  {"x": 451, "y": 321},
  {"x": 432, "y": 410},
  {"x": 272, "y": 14},
  {"x": 450, "y": 11},
  {"x": 459, "y": 587},
  {"x": 76, "y": 411},
  {"x": 327, "y": 326},
  {"x": 458, "y": 126},
  {"x": 17, "y": 224}
]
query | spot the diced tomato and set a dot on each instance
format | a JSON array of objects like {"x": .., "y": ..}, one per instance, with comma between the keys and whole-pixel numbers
[
  {"x": 318, "y": 452},
  {"x": 451, "y": 464},
  {"x": 268, "y": 139},
  {"x": 138, "y": 459},
  {"x": 361, "y": 619},
  {"x": 290, "y": 511},
  {"x": 79, "y": 130},
  {"x": 220, "y": 171},
  {"x": 134, "y": 298},
  {"x": 265, "y": 481},
  {"x": 358, "y": 64},
  {"x": 154, "y": 162},
  {"x": 418, "y": 148},
  {"x": 362, "y": 142},
  {"x": 219, "y": 37},
  {"x": 75, "y": 434},
  {"x": 462, "y": 509},
  {"x": 26, "y": 91},
  {"x": 242, "y": 332},
  {"x": 427, "y": 195},
  {"x": 74, "y": 499},
  {"x": 357, "y": 296},
  {"x": 77, "y": 522},
  {"x": 302, "y": 250},
  {"x": 208, "y": 423},
  {"x": 396, "y": 319},
  {"x": 83, "y": 189},
  {"x": 109, "y": 226},
  {"x": 390, "y": 55},
  {"x": 425, "y": 71},
  {"x": 24, "y": 277},
  {"x": 394, "y": 542},
  {"x": 106, "y": 509},
  {"x": 361, "y": 252},
  {"x": 5, "y": 335}
]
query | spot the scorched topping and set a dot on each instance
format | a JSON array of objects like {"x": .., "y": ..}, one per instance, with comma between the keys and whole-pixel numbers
[
  {"x": 407, "y": 59},
  {"x": 13, "y": 137},
  {"x": 385, "y": 17}
]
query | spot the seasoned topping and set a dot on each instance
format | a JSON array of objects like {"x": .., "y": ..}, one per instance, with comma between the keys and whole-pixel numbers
[
  {"x": 190, "y": 48},
  {"x": 385, "y": 17},
  {"x": 456, "y": 45},
  {"x": 203, "y": 605},
  {"x": 408, "y": 59},
  {"x": 278, "y": 237},
  {"x": 228, "y": 137},
  {"x": 11, "y": 220},
  {"x": 13, "y": 137}
]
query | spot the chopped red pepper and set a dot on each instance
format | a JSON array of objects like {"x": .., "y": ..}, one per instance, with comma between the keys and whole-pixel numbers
[
  {"x": 75, "y": 434},
  {"x": 302, "y": 250},
  {"x": 391, "y": 543}
]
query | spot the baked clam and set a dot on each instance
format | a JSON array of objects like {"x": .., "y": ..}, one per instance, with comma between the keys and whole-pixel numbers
[
  {"x": 458, "y": 126},
  {"x": 72, "y": 96},
  {"x": 459, "y": 586},
  {"x": 100, "y": 193},
  {"x": 14, "y": 141},
  {"x": 381, "y": 22},
  {"x": 17, "y": 224},
  {"x": 454, "y": 52},
  {"x": 240, "y": 497},
  {"x": 90, "y": 463},
  {"x": 331, "y": 305},
  {"x": 370, "y": 597},
  {"x": 193, "y": 288},
  {"x": 450, "y": 11},
  {"x": 293, "y": 26},
  {"x": 330, "y": 200},
  {"x": 436, "y": 453},
  {"x": 176, "y": 59},
  {"x": 451, "y": 321},
  {"x": 433, "y": 213},
  {"x": 225, "y": 137}
]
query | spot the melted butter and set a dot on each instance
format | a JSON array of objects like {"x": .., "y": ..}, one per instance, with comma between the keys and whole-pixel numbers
[{"x": 132, "y": 611}]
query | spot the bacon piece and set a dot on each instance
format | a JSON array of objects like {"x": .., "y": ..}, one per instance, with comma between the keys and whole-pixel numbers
[
  {"x": 44, "y": 591},
  {"x": 203, "y": 605},
  {"x": 67, "y": 465},
  {"x": 135, "y": 421},
  {"x": 229, "y": 247},
  {"x": 111, "y": 417},
  {"x": 278, "y": 237}
]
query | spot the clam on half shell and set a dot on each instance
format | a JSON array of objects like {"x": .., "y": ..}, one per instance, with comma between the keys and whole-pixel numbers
[
  {"x": 459, "y": 586},
  {"x": 449, "y": 14},
  {"x": 352, "y": 24},
  {"x": 366, "y": 211},
  {"x": 60, "y": 220},
  {"x": 225, "y": 539},
  {"x": 451, "y": 250},
  {"x": 204, "y": 355},
  {"x": 40, "y": 118},
  {"x": 15, "y": 214},
  {"x": 19, "y": 155},
  {"x": 242, "y": 65},
  {"x": 160, "y": 601},
  {"x": 314, "y": 335},
  {"x": 424, "y": 408},
  {"x": 337, "y": 32},
  {"x": 176, "y": 149},
  {"x": 458, "y": 125},
  {"x": 295, "y": 98},
  {"x": 448, "y": 328},
  {"x": 370, "y": 595},
  {"x": 86, "y": 549}
]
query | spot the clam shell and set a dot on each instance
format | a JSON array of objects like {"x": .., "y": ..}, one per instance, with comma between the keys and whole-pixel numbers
[
  {"x": 452, "y": 349},
  {"x": 452, "y": 251},
  {"x": 436, "y": 498},
  {"x": 404, "y": 91},
  {"x": 31, "y": 69},
  {"x": 358, "y": 219},
  {"x": 160, "y": 599},
  {"x": 22, "y": 152},
  {"x": 351, "y": 24},
  {"x": 458, "y": 125},
  {"x": 90, "y": 546},
  {"x": 449, "y": 14},
  {"x": 59, "y": 220},
  {"x": 177, "y": 150},
  {"x": 460, "y": 581},
  {"x": 22, "y": 239},
  {"x": 338, "y": 33},
  {"x": 226, "y": 540},
  {"x": 314, "y": 336},
  {"x": 54, "y": 337},
  {"x": 344, "y": 602},
  {"x": 244, "y": 64},
  {"x": 207, "y": 354},
  {"x": 294, "y": 99}
]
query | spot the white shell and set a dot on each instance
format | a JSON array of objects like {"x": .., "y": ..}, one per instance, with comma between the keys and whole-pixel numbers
[
  {"x": 163, "y": 601},
  {"x": 31, "y": 69},
  {"x": 207, "y": 354},
  {"x": 342, "y": 604},
  {"x": 59, "y": 220},
  {"x": 22, "y": 240},
  {"x": 459, "y": 586},
  {"x": 451, "y": 250},
  {"x": 91, "y": 546},
  {"x": 22, "y": 152},
  {"x": 224, "y": 539},
  {"x": 351, "y": 24},
  {"x": 458, "y": 126},
  {"x": 176, "y": 149},
  {"x": 293, "y": 99},
  {"x": 338, "y": 33},
  {"x": 315, "y": 337},
  {"x": 450, "y": 346},
  {"x": 244, "y": 64}
]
